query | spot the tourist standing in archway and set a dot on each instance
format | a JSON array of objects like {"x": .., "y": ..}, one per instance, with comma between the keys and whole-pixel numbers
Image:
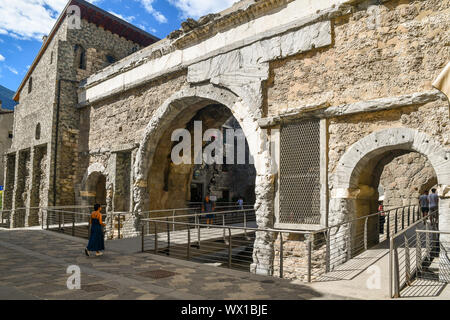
[
  {"x": 433, "y": 201},
  {"x": 208, "y": 207},
  {"x": 96, "y": 239},
  {"x": 424, "y": 205}
]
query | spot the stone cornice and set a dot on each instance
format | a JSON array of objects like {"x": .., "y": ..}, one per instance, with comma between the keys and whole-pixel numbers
[
  {"x": 255, "y": 9},
  {"x": 323, "y": 110},
  {"x": 168, "y": 47}
]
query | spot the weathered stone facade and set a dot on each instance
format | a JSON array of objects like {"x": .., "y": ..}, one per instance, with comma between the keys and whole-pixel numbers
[
  {"x": 47, "y": 123},
  {"x": 364, "y": 68},
  {"x": 6, "y": 126}
]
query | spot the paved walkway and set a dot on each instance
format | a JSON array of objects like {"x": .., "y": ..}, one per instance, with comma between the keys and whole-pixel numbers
[
  {"x": 33, "y": 265},
  {"x": 357, "y": 277}
]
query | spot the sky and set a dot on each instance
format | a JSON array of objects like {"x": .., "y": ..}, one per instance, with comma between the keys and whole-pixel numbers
[{"x": 23, "y": 23}]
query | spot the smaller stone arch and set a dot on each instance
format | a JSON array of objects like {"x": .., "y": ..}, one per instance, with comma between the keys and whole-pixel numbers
[
  {"x": 358, "y": 156},
  {"x": 353, "y": 195},
  {"x": 94, "y": 185}
]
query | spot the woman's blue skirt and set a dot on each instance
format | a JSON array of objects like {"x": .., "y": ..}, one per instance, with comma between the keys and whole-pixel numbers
[{"x": 96, "y": 240}]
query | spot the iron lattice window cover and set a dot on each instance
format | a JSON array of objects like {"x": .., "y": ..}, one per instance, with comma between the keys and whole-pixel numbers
[{"x": 300, "y": 173}]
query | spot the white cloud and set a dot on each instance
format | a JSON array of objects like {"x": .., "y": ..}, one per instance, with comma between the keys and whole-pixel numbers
[
  {"x": 28, "y": 19},
  {"x": 2, "y": 58},
  {"x": 128, "y": 19},
  {"x": 197, "y": 8},
  {"x": 146, "y": 28},
  {"x": 12, "y": 70},
  {"x": 148, "y": 5}
]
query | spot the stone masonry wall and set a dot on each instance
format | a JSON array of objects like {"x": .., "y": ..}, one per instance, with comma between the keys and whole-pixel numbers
[
  {"x": 405, "y": 178},
  {"x": 120, "y": 121},
  {"x": 430, "y": 118},
  {"x": 384, "y": 50},
  {"x": 98, "y": 43},
  {"x": 6, "y": 125}
]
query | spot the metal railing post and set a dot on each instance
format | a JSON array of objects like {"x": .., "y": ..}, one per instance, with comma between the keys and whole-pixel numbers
[
  {"x": 156, "y": 239},
  {"x": 388, "y": 225},
  {"x": 327, "y": 253},
  {"x": 365, "y": 234},
  {"x": 309, "y": 258},
  {"x": 427, "y": 242},
  {"x": 418, "y": 254},
  {"x": 168, "y": 236},
  {"x": 173, "y": 220},
  {"x": 73, "y": 224},
  {"x": 407, "y": 262},
  {"x": 409, "y": 215},
  {"x": 142, "y": 237},
  {"x": 223, "y": 224},
  {"x": 245, "y": 224},
  {"x": 391, "y": 261},
  {"x": 403, "y": 218},
  {"x": 59, "y": 221},
  {"x": 396, "y": 221},
  {"x": 281, "y": 255},
  {"x": 229, "y": 248},
  {"x": 47, "y": 218},
  {"x": 396, "y": 275},
  {"x": 189, "y": 242},
  {"x": 198, "y": 230},
  {"x": 119, "y": 220}
]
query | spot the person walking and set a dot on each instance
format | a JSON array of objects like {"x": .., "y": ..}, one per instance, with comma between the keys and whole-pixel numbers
[
  {"x": 240, "y": 203},
  {"x": 208, "y": 207},
  {"x": 433, "y": 203},
  {"x": 423, "y": 201},
  {"x": 96, "y": 240}
]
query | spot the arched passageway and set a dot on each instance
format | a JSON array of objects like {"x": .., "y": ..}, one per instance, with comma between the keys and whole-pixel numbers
[
  {"x": 171, "y": 184},
  {"x": 94, "y": 188},
  {"x": 159, "y": 183},
  {"x": 356, "y": 180}
]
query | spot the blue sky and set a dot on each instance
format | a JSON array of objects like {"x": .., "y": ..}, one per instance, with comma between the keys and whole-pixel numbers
[{"x": 24, "y": 22}]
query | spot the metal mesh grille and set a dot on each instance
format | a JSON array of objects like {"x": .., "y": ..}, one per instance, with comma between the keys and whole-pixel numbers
[{"x": 300, "y": 173}]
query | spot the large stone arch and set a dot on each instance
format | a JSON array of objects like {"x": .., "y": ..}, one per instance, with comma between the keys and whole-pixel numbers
[{"x": 258, "y": 143}]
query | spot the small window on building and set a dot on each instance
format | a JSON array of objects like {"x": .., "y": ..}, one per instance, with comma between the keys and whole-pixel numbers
[
  {"x": 110, "y": 58},
  {"x": 30, "y": 84},
  {"x": 51, "y": 58},
  {"x": 38, "y": 131},
  {"x": 80, "y": 57},
  {"x": 10, "y": 134}
]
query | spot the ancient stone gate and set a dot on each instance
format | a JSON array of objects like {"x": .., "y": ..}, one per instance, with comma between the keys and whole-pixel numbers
[{"x": 362, "y": 71}]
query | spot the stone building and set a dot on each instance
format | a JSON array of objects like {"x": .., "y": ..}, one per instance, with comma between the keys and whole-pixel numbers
[
  {"x": 6, "y": 126},
  {"x": 328, "y": 93},
  {"x": 42, "y": 162}
]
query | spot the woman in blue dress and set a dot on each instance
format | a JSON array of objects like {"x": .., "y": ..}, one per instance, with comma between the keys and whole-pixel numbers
[{"x": 96, "y": 240}]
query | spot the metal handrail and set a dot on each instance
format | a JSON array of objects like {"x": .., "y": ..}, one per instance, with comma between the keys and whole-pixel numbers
[
  {"x": 386, "y": 212},
  {"x": 394, "y": 272},
  {"x": 229, "y": 226}
]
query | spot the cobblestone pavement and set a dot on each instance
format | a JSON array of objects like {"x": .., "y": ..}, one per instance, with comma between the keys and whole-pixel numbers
[{"x": 33, "y": 265}]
